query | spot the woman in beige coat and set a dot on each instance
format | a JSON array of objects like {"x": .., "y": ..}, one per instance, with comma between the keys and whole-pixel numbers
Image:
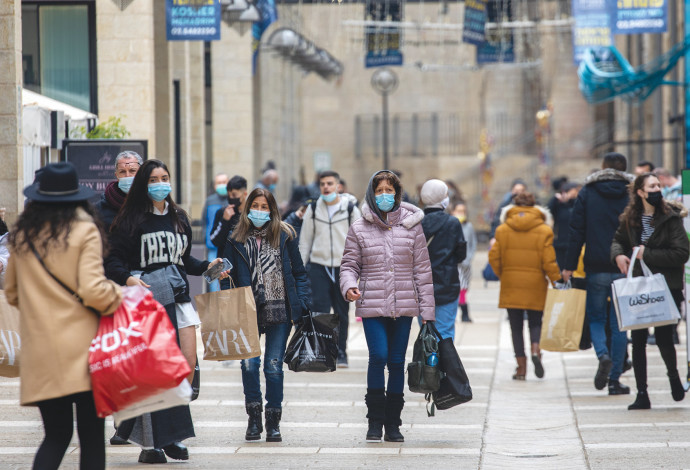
[{"x": 55, "y": 327}]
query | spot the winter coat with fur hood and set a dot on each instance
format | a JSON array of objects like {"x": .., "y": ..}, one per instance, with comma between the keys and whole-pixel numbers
[
  {"x": 665, "y": 252},
  {"x": 389, "y": 262},
  {"x": 523, "y": 256}
]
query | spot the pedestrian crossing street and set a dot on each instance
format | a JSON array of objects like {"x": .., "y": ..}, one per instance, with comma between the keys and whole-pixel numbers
[{"x": 560, "y": 422}]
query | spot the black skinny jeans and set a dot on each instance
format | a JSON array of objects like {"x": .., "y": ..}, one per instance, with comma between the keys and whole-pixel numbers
[
  {"x": 516, "y": 317},
  {"x": 58, "y": 423},
  {"x": 664, "y": 341}
]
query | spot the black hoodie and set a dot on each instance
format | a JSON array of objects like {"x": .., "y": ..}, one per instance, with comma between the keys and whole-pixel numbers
[
  {"x": 447, "y": 249},
  {"x": 594, "y": 220}
]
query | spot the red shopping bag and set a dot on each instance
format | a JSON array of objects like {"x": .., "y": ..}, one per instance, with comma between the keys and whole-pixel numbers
[{"x": 134, "y": 354}]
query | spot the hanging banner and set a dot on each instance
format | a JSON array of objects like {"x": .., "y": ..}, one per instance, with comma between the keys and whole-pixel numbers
[
  {"x": 269, "y": 14},
  {"x": 501, "y": 50},
  {"x": 639, "y": 16},
  {"x": 192, "y": 20},
  {"x": 474, "y": 21},
  {"x": 592, "y": 29},
  {"x": 383, "y": 42}
]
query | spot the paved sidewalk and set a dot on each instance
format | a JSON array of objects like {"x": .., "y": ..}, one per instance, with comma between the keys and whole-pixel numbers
[{"x": 559, "y": 422}]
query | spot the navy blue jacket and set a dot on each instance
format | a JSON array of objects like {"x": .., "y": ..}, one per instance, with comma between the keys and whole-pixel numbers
[
  {"x": 561, "y": 221},
  {"x": 594, "y": 220},
  {"x": 295, "y": 276},
  {"x": 446, "y": 250}
]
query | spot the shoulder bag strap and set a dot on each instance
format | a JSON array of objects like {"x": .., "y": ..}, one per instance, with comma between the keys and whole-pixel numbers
[{"x": 65, "y": 286}]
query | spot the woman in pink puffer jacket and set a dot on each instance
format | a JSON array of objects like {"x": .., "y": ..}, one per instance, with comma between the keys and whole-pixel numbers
[{"x": 386, "y": 270}]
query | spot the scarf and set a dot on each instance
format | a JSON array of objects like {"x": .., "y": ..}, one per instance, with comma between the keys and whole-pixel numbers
[
  {"x": 114, "y": 195},
  {"x": 268, "y": 286}
]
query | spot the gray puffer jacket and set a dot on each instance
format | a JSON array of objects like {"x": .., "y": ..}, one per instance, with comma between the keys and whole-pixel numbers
[{"x": 390, "y": 265}]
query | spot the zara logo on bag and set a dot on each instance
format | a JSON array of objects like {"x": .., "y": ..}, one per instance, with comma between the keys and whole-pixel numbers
[
  {"x": 11, "y": 344},
  {"x": 644, "y": 299},
  {"x": 222, "y": 343},
  {"x": 113, "y": 340}
]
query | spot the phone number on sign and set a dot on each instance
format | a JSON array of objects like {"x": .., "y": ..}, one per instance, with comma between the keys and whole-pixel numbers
[{"x": 192, "y": 31}]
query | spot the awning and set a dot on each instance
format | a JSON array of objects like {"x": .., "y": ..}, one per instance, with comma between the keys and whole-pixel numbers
[{"x": 30, "y": 98}]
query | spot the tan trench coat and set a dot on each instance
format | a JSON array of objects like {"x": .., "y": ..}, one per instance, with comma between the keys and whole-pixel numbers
[{"x": 56, "y": 330}]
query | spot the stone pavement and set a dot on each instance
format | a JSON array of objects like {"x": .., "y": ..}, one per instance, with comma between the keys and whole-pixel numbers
[{"x": 559, "y": 422}]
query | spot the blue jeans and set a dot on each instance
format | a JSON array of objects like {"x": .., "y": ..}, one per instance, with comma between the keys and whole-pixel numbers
[
  {"x": 598, "y": 311},
  {"x": 276, "y": 341},
  {"x": 387, "y": 340},
  {"x": 445, "y": 319}
]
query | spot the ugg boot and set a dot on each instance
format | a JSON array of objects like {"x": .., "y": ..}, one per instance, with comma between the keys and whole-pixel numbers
[
  {"x": 465, "y": 313},
  {"x": 521, "y": 369},
  {"x": 536, "y": 360},
  {"x": 376, "y": 413},
  {"x": 254, "y": 426},
  {"x": 394, "y": 406},
  {"x": 273, "y": 425}
]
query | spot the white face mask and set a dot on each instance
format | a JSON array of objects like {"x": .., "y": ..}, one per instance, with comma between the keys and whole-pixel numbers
[{"x": 445, "y": 203}]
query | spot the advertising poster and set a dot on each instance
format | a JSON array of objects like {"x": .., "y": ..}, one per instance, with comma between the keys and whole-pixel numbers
[
  {"x": 639, "y": 16},
  {"x": 192, "y": 20},
  {"x": 592, "y": 27},
  {"x": 383, "y": 42},
  {"x": 474, "y": 22}
]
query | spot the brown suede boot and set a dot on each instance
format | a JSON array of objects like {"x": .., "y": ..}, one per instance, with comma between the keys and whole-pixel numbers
[
  {"x": 521, "y": 369},
  {"x": 536, "y": 360}
]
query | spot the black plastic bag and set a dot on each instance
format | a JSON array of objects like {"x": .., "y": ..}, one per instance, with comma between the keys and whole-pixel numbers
[
  {"x": 455, "y": 385},
  {"x": 314, "y": 345},
  {"x": 423, "y": 373}
]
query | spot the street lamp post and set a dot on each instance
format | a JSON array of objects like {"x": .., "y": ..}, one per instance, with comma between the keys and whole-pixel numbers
[{"x": 384, "y": 81}]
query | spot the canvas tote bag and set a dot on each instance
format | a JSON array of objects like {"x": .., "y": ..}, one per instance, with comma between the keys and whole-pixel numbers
[
  {"x": 229, "y": 328},
  {"x": 643, "y": 301}
]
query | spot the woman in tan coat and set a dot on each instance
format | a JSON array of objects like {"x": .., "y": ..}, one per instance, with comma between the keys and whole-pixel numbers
[
  {"x": 522, "y": 257},
  {"x": 56, "y": 329}
]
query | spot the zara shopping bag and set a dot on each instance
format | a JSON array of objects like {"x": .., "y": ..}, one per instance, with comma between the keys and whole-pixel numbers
[
  {"x": 229, "y": 328},
  {"x": 10, "y": 342},
  {"x": 314, "y": 344},
  {"x": 643, "y": 301},
  {"x": 564, "y": 316},
  {"x": 134, "y": 354}
]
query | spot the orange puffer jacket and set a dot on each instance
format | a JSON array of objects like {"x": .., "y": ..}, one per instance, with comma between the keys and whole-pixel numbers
[{"x": 523, "y": 256}]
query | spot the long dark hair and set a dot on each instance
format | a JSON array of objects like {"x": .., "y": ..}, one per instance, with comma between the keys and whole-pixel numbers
[
  {"x": 632, "y": 215},
  {"x": 138, "y": 203},
  {"x": 51, "y": 222},
  {"x": 274, "y": 226}
]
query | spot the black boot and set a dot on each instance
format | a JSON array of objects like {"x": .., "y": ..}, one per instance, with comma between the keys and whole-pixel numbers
[
  {"x": 376, "y": 406},
  {"x": 641, "y": 402},
  {"x": 392, "y": 422},
  {"x": 254, "y": 426},
  {"x": 273, "y": 425},
  {"x": 465, "y": 313},
  {"x": 677, "y": 390}
]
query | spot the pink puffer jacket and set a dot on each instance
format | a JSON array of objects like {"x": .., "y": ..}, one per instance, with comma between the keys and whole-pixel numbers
[{"x": 391, "y": 263}]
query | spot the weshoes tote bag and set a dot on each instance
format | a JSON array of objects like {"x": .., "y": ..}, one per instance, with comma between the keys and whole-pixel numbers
[{"x": 643, "y": 301}]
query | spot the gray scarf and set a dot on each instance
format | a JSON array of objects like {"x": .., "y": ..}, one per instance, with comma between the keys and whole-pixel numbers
[{"x": 268, "y": 286}]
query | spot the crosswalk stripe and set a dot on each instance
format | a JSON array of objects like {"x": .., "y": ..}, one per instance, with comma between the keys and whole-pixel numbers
[
  {"x": 635, "y": 425},
  {"x": 262, "y": 448},
  {"x": 624, "y": 406}
]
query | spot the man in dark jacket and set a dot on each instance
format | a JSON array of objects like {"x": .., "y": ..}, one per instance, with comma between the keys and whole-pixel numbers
[
  {"x": 594, "y": 222},
  {"x": 227, "y": 217},
  {"x": 561, "y": 206},
  {"x": 127, "y": 164},
  {"x": 447, "y": 249}
]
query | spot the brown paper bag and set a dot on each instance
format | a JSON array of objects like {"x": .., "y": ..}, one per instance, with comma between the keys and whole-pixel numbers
[
  {"x": 10, "y": 342},
  {"x": 564, "y": 315},
  {"x": 229, "y": 328}
]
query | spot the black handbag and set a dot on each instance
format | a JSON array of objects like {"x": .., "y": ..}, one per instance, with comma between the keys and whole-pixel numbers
[
  {"x": 455, "y": 385},
  {"x": 314, "y": 345},
  {"x": 423, "y": 373}
]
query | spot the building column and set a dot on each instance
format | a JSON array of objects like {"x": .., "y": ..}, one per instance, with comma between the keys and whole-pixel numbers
[{"x": 11, "y": 156}]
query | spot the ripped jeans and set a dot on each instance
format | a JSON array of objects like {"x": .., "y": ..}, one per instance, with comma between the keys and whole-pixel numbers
[{"x": 274, "y": 352}]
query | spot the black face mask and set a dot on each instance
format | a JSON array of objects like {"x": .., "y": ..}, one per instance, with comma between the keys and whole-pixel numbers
[
  {"x": 655, "y": 198},
  {"x": 234, "y": 201}
]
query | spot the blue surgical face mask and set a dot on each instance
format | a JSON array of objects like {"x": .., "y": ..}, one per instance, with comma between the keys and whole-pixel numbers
[
  {"x": 159, "y": 191},
  {"x": 259, "y": 218},
  {"x": 125, "y": 183},
  {"x": 222, "y": 189},
  {"x": 385, "y": 202},
  {"x": 329, "y": 197},
  {"x": 272, "y": 187}
]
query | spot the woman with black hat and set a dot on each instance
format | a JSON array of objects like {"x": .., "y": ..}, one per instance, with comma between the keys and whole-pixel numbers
[{"x": 56, "y": 236}]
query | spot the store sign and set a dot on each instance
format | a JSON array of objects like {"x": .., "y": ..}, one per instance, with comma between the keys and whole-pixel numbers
[
  {"x": 592, "y": 28},
  {"x": 639, "y": 16},
  {"x": 474, "y": 22},
  {"x": 192, "y": 20},
  {"x": 501, "y": 50},
  {"x": 383, "y": 42}
]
